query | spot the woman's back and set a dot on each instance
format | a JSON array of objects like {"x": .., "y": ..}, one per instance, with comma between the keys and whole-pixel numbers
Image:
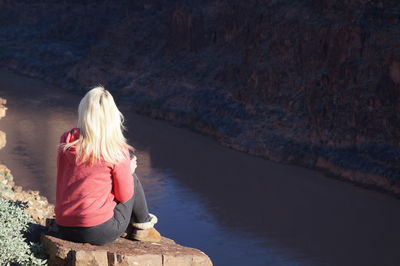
[
  {"x": 97, "y": 193},
  {"x": 85, "y": 195}
]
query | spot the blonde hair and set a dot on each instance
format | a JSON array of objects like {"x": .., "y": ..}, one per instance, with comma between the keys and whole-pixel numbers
[{"x": 101, "y": 125}]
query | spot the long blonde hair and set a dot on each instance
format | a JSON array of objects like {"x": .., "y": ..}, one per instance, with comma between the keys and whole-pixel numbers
[{"x": 101, "y": 126}]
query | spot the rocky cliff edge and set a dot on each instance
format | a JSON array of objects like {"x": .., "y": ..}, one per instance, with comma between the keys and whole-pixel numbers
[{"x": 62, "y": 252}]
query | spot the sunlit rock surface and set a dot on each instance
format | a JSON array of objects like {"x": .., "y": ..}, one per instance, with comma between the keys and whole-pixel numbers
[
  {"x": 37, "y": 206},
  {"x": 3, "y": 109},
  {"x": 122, "y": 252}
]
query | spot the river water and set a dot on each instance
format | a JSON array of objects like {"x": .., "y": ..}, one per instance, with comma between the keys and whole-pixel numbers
[{"x": 237, "y": 208}]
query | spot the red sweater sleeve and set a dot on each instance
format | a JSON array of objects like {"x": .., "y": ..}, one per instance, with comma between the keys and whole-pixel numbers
[{"x": 123, "y": 180}]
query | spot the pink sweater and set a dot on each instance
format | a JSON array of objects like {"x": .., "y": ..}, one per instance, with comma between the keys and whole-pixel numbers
[{"x": 87, "y": 194}]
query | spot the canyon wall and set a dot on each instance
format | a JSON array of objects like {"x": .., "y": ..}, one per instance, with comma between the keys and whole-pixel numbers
[{"x": 310, "y": 82}]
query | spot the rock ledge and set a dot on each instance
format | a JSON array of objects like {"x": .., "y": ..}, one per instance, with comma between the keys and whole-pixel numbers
[{"x": 121, "y": 252}]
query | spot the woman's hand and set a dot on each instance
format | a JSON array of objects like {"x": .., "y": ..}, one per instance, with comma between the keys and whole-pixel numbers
[{"x": 133, "y": 164}]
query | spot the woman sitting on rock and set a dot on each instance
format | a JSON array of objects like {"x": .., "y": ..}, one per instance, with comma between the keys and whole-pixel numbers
[{"x": 98, "y": 194}]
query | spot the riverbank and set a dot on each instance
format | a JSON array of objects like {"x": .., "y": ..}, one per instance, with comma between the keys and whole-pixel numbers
[
  {"x": 323, "y": 112},
  {"x": 370, "y": 166}
]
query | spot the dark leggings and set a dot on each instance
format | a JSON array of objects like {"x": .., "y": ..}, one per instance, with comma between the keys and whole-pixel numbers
[{"x": 134, "y": 210}]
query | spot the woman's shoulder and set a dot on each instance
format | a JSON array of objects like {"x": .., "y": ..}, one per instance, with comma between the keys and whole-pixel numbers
[{"x": 124, "y": 159}]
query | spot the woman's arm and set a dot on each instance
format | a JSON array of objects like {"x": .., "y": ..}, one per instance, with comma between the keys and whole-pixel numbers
[{"x": 123, "y": 180}]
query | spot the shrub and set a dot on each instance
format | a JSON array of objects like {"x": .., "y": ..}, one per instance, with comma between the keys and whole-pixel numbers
[{"x": 14, "y": 249}]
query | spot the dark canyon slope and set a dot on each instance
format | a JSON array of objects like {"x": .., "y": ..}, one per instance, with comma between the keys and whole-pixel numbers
[{"x": 310, "y": 82}]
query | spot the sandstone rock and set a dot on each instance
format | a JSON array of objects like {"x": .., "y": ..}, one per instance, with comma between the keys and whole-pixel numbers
[
  {"x": 38, "y": 206},
  {"x": 3, "y": 139},
  {"x": 5, "y": 176},
  {"x": 2, "y": 107},
  {"x": 2, "y": 114},
  {"x": 122, "y": 252}
]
